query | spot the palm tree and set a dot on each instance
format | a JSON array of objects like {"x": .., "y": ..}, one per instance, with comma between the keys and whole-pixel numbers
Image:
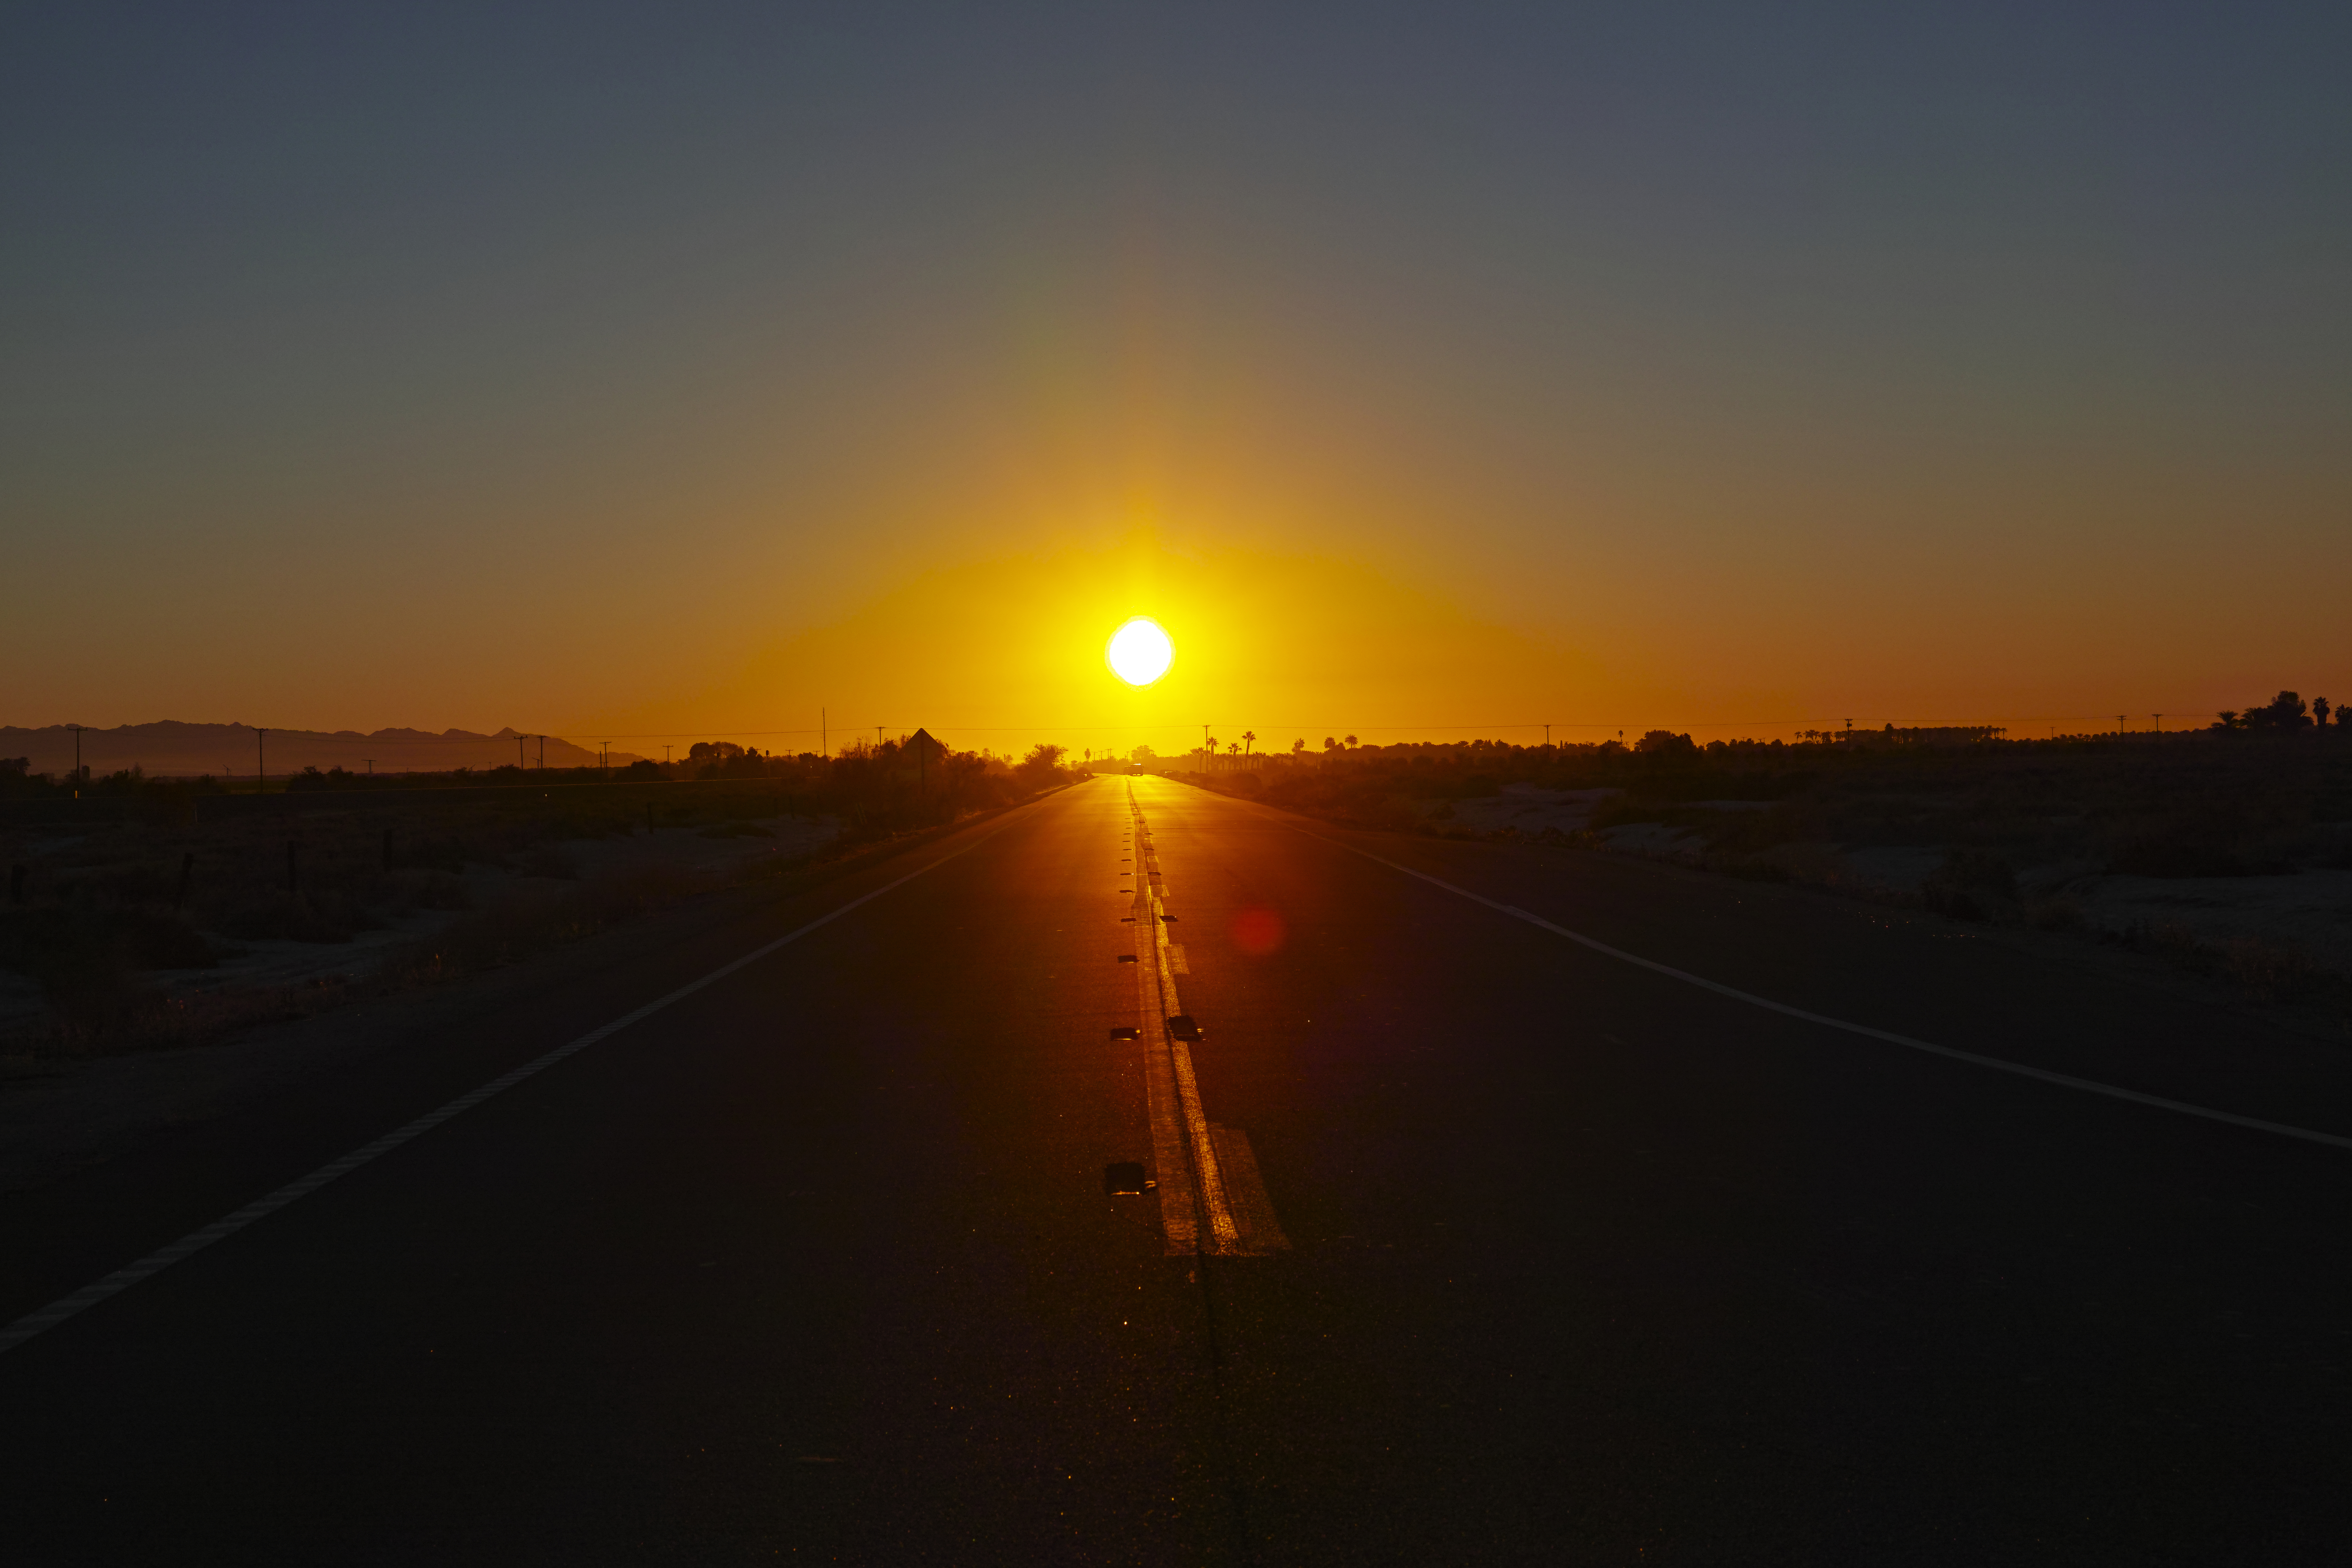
[{"x": 1249, "y": 738}]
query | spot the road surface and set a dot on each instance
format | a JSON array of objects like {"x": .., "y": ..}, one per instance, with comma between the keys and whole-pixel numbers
[{"x": 1470, "y": 1242}]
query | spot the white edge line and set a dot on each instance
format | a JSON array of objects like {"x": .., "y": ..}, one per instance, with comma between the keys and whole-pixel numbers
[
  {"x": 2063, "y": 1080},
  {"x": 195, "y": 1241}
]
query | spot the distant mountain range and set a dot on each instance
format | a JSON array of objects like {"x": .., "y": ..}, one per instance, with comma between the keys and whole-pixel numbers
[{"x": 176, "y": 750}]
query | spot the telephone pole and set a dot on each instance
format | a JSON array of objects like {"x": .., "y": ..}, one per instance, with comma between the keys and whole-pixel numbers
[
  {"x": 77, "y": 735},
  {"x": 260, "y": 765}
]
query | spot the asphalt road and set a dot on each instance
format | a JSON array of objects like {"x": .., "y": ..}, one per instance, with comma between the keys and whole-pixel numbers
[{"x": 1585, "y": 1263}]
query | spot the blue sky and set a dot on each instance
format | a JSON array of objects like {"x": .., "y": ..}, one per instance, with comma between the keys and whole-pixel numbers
[{"x": 568, "y": 361}]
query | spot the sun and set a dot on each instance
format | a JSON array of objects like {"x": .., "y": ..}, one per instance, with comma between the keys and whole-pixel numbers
[{"x": 1139, "y": 652}]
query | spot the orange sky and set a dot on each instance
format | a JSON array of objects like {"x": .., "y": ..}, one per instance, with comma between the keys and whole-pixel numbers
[{"x": 1426, "y": 377}]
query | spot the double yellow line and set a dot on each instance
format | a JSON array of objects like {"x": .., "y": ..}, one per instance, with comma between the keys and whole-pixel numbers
[{"x": 1212, "y": 1198}]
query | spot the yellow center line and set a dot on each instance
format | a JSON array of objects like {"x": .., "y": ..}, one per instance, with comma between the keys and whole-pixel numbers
[{"x": 1204, "y": 1198}]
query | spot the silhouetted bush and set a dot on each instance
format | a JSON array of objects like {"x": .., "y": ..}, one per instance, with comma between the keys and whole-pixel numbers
[
  {"x": 325, "y": 917},
  {"x": 1970, "y": 885},
  {"x": 2284, "y": 713},
  {"x": 2190, "y": 858}
]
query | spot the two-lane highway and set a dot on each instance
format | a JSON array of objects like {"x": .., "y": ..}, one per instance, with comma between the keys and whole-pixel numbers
[{"x": 1467, "y": 1243}]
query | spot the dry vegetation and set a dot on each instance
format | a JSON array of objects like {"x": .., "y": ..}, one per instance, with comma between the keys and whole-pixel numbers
[
  {"x": 125, "y": 906},
  {"x": 2003, "y": 832}
]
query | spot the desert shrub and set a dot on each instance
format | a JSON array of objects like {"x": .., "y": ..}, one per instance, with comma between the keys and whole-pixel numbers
[
  {"x": 2055, "y": 912},
  {"x": 1624, "y": 810},
  {"x": 88, "y": 960},
  {"x": 430, "y": 891},
  {"x": 1042, "y": 766},
  {"x": 43, "y": 943},
  {"x": 1970, "y": 885},
  {"x": 2266, "y": 968},
  {"x": 523, "y": 922},
  {"x": 548, "y": 860},
  {"x": 2185, "y": 858},
  {"x": 321, "y": 916},
  {"x": 1745, "y": 831}
]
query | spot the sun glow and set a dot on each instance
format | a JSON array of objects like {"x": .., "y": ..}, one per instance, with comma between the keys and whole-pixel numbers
[{"x": 1139, "y": 652}]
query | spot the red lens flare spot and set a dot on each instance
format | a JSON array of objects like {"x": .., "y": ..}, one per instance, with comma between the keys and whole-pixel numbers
[{"x": 1257, "y": 932}]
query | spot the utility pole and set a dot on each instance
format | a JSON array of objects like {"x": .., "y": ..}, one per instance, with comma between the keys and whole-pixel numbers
[
  {"x": 1547, "y": 737},
  {"x": 260, "y": 766},
  {"x": 370, "y": 765},
  {"x": 2160, "y": 724},
  {"x": 2120, "y": 724},
  {"x": 520, "y": 739},
  {"x": 823, "y": 746},
  {"x": 542, "y": 753},
  {"x": 77, "y": 735}
]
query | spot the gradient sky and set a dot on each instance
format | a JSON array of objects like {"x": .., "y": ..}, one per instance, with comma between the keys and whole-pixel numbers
[{"x": 666, "y": 370}]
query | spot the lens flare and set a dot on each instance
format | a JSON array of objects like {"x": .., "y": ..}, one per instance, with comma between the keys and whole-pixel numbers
[
  {"x": 1139, "y": 652},
  {"x": 1257, "y": 932}
]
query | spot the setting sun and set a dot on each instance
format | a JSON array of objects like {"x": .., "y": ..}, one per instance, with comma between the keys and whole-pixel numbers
[{"x": 1139, "y": 652}]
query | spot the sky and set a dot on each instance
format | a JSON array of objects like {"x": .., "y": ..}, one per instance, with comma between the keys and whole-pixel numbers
[{"x": 662, "y": 371}]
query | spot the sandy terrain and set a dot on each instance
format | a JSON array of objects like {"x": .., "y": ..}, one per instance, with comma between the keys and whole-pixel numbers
[
  {"x": 1531, "y": 809},
  {"x": 58, "y": 1114},
  {"x": 2309, "y": 911},
  {"x": 718, "y": 853}
]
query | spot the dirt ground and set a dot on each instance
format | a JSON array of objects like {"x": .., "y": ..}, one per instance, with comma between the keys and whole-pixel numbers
[{"x": 130, "y": 933}]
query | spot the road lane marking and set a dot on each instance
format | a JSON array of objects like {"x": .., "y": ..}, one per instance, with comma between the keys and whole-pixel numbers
[
  {"x": 1178, "y": 1209},
  {"x": 2043, "y": 1075},
  {"x": 1224, "y": 1194},
  {"x": 1246, "y": 1190},
  {"x": 195, "y": 1241}
]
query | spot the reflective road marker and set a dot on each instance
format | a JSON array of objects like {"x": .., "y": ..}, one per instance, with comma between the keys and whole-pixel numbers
[{"x": 1215, "y": 1183}]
